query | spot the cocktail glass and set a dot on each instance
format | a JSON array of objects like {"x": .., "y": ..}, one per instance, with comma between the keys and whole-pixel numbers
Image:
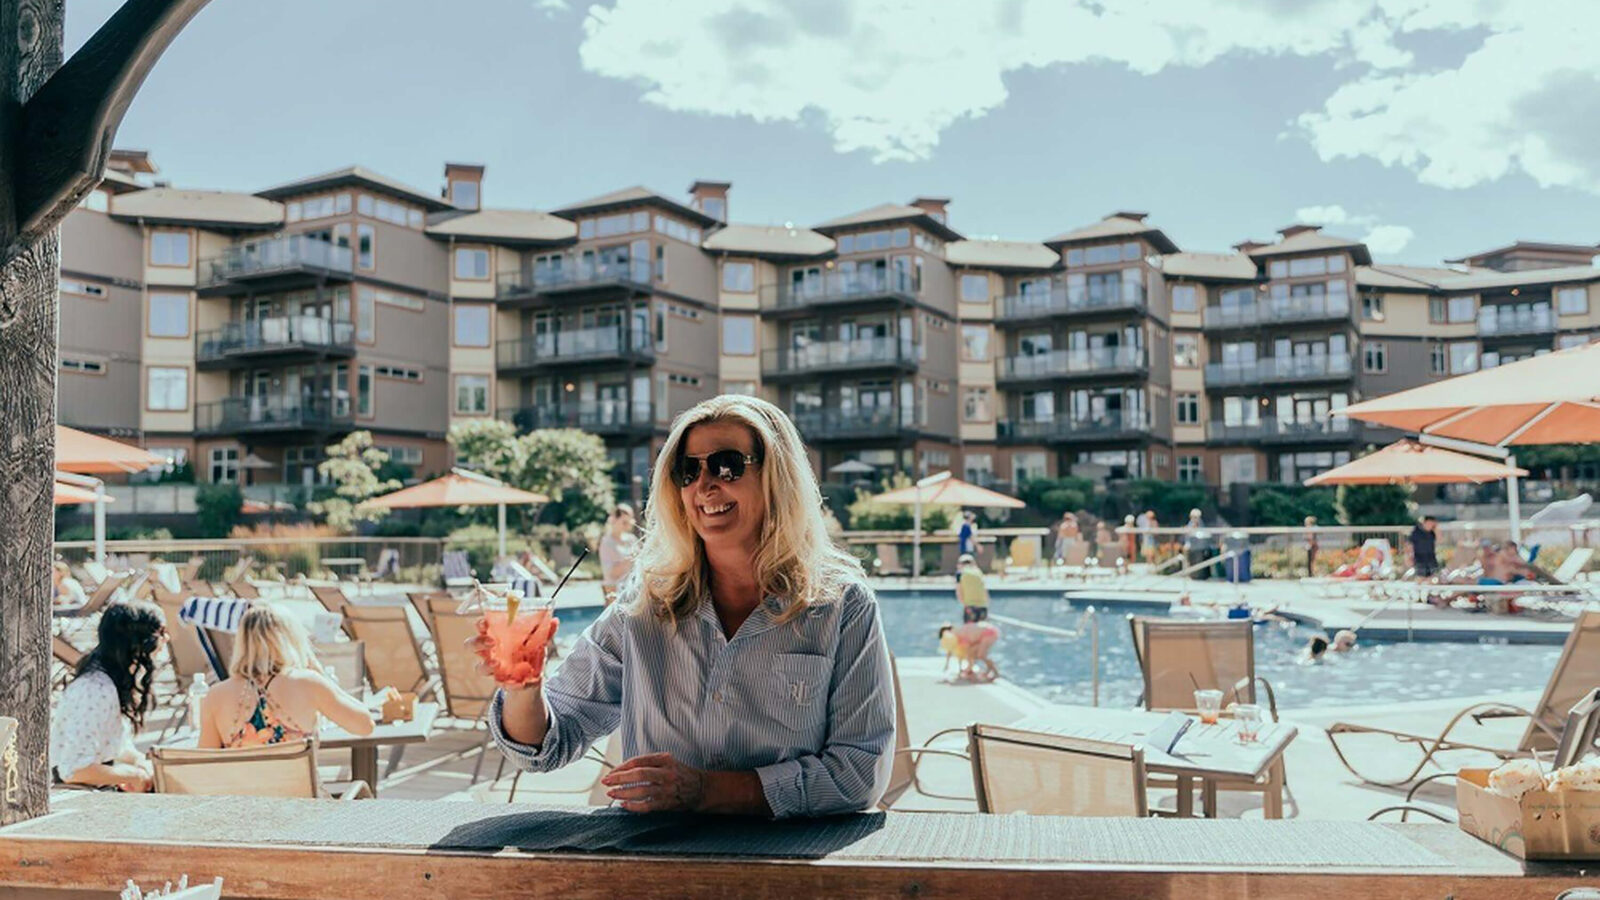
[
  {"x": 517, "y": 641},
  {"x": 1209, "y": 703},
  {"x": 1248, "y": 715}
]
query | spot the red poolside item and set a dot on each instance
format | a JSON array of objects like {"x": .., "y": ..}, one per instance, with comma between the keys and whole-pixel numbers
[{"x": 517, "y": 642}]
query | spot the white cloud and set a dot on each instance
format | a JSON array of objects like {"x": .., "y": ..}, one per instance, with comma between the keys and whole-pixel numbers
[
  {"x": 1332, "y": 214},
  {"x": 1387, "y": 240},
  {"x": 552, "y": 8},
  {"x": 889, "y": 76},
  {"x": 1381, "y": 239}
]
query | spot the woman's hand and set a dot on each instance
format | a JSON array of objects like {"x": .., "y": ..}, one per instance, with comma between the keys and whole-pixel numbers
[{"x": 656, "y": 783}]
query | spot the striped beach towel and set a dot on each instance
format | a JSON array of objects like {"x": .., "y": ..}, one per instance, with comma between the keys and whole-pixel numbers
[{"x": 218, "y": 613}]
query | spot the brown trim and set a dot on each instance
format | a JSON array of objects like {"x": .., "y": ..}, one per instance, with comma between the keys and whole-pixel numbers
[{"x": 188, "y": 384}]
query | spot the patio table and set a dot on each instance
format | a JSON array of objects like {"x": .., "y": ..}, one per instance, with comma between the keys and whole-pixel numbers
[
  {"x": 364, "y": 750},
  {"x": 1208, "y": 753}
]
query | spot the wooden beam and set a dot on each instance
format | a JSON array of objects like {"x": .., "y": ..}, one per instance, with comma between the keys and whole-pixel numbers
[{"x": 68, "y": 124}]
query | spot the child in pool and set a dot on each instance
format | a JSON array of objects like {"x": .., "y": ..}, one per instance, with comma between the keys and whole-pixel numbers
[{"x": 970, "y": 642}]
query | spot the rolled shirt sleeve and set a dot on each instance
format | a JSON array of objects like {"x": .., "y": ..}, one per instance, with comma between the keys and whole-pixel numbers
[
  {"x": 851, "y": 772},
  {"x": 583, "y": 700}
]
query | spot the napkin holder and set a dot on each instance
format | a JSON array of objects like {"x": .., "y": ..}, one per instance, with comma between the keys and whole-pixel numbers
[{"x": 398, "y": 709}]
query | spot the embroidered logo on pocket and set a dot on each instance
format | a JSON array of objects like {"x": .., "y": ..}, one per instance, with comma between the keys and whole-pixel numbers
[{"x": 800, "y": 692}]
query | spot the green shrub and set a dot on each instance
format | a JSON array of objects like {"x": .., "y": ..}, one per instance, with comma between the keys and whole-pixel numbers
[
  {"x": 1287, "y": 505},
  {"x": 219, "y": 507},
  {"x": 1376, "y": 504}
]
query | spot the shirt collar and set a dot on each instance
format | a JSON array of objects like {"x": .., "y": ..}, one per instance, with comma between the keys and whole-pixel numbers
[{"x": 762, "y": 618}]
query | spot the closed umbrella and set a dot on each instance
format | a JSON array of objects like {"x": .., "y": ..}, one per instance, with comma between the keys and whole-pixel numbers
[
  {"x": 943, "y": 489},
  {"x": 461, "y": 488}
]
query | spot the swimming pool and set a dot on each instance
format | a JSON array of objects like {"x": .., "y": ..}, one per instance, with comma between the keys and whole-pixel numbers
[{"x": 1059, "y": 669}]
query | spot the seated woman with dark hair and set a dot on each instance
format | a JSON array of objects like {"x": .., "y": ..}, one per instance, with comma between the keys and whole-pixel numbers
[{"x": 91, "y": 735}]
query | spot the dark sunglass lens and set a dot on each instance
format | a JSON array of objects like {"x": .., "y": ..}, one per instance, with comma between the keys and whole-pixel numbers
[
  {"x": 687, "y": 471},
  {"x": 726, "y": 464}
]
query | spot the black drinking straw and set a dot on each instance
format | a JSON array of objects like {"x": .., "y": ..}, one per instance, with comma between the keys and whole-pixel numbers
[{"x": 581, "y": 555}]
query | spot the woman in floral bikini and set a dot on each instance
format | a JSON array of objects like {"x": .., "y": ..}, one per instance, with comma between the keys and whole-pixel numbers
[{"x": 276, "y": 691}]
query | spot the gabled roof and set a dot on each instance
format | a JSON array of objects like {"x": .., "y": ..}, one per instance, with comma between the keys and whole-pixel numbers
[
  {"x": 218, "y": 210},
  {"x": 1403, "y": 278},
  {"x": 357, "y": 176},
  {"x": 891, "y": 213},
  {"x": 1309, "y": 238},
  {"x": 1489, "y": 279},
  {"x": 1118, "y": 224},
  {"x": 1019, "y": 255},
  {"x": 1209, "y": 266},
  {"x": 502, "y": 226},
  {"x": 1529, "y": 247},
  {"x": 634, "y": 196},
  {"x": 769, "y": 241}
]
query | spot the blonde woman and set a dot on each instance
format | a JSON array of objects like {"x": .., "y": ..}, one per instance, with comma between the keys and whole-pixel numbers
[
  {"x": 276, "y": 691},
  {"x": 744, "y": 661}
]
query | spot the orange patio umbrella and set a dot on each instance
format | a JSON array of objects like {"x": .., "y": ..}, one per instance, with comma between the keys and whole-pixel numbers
[
  {"x": 943, "y": 489},
  {"x": 460, "y": 488},
  {"x": 1409, "y": 461},
  {"x": 82, "y": 452},
  {"x": 67, "y": 494}
]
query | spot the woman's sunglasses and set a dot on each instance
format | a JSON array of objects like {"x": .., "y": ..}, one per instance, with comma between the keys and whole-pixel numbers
[{"x": 728, "y": 465}]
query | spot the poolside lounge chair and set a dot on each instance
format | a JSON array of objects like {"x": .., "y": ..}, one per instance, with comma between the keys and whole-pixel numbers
[
  {"x": 92, "y": 572},
  {"x": 243, "y": 589},
  {"x": 68, "y": 655},
  {"x": 333, "y": 599},
  {"x": 1045, "y": 774},
  {"x": 1024, "y": 553},
  {"x": 240, "y": 570},
  {"x": 348, "y": 661},
  {"x": 903, "y": 776},
  {"x": 102, "y": 595},
  {"x": 393, "y": 657},
  {"x": 1573, "y": 565},
  {"x": 888, "y": 556},
  {"x": 457, "y": 570},
  {"x": 1576, "y": 675},
  {"x": 278, "y": 770},
  {"x": 466, "y": 691}
]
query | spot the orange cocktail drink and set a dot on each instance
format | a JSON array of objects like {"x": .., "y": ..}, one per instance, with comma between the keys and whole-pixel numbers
[{"x": 517, "y": 639}]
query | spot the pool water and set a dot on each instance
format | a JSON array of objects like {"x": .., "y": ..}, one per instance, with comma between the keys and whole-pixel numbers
[{"x": 1058, "y": 668}]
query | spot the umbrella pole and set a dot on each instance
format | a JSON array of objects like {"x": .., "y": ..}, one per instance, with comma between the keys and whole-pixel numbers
[
  {"x": 502, "y": 507},
  {"x": 99, "y": 521},
  {"x": 916, "y": 537},
  {"x": 1514, "y": 502}
]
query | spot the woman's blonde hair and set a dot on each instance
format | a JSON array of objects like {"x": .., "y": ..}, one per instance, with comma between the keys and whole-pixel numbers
[
  {"x": 795, "y": 560},
  {"x": 269, "y": 642}
]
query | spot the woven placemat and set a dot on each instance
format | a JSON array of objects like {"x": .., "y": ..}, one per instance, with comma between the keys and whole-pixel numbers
[{"x": 909, "y": 837}]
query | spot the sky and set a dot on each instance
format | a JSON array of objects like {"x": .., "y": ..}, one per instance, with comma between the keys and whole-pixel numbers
[{"x": 1431, "y": 129}]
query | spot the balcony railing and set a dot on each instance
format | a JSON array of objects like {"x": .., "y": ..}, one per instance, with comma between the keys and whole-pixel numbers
[
  {"x": 879, "y": 421},
  {"x": 1089, "y": 361},
  {"x": 273, "y": 412},
  {"x": 574, "y": 273},
  {"x": 835, "y": 356},
  {"x": 1280, "y": 431},
  {"x": 278, "y": 334},
  {"x": 577, "y": 346},
  {"x": 1108, "y": 426},
  {"x": 1279, "y": 368},
  {"x": 837, "y": 287},
  {"x": 291, "y": 254},
  {"x": 1500, "y": 321},
  {"x": 604, "y": 417},
  {"x": 1270, "y": 310},
  {"x": 1061, "y": 300}
]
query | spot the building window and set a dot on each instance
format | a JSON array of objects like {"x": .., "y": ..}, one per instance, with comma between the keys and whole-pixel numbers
[
  {"x": 744, "y": 388},
  {"x": 399, "y": 373},
  {"x": 1027, "y": 466},
  {"x": 1075, "y": 257},
  {"x": 464, "y": 194},
  {"x": 1461, "y": 309},
  {"x": 978, "y": 468},
  {"x": 715, "y": 207},
  {"x": 169, "y": 315},
  {"x": 1372, "y": 307},
  {"x": 739, "y": 277},
  {"x": 975, "y": 343},
  {"x": 472, "y": 325},
  {"x": 472, "y": 263},
  {"x": 977, "y": 405},
  {"x": 738, "y": 335},
  {"x": 169, "y": 248},
  {"x": 73, "y": 286},
  {"x": 166, "y": 389},
  {"x": 366, "y": 253},
  {"x": 974, "y": 288},
  {"x": 1566, "y": 341},
  {"x": 363, "y": 390},
  {"x": 1185, "y": 298},
  {"x": 1438, "y": 360},
  {"x": 1278, "y": 269},
  {"x": 224, "y": 465},
  {"x": 366, "y": 316},
  {"x": 1185, "y": 351},
  {"x": 1463, "y": 357},
  {"x": 1374, "y": 357},
  {"x": 86, "y": 366},
  {"x": 1190, "y": 470},
  {"x": 1188, "y": 409},
  {"x": 472, "y": 394},
  {"x": 661, "y": 327},
  {"x": 1572, "y": 301}
]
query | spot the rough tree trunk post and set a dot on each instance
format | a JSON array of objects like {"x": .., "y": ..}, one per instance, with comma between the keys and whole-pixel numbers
[{"x": 30, "y": 50}]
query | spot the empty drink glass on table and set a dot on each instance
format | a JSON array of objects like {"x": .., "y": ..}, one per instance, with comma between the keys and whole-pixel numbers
[
  {"x": 1209, "y": 704},
  {"x": 1248, "y": 715}
]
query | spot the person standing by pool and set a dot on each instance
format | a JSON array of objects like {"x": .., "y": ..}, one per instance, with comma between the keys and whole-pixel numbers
[
  {"x": 1066, "y": 535},
  {"x": 1311, "y": 546},
  {"x": 744, "y": 660},
  {"x": 970, "y": 590},
  {"x": 1147, "y": 541},
  {"x": 617, "y": 547},
  {"x": 1424, "y": 547},
  {"x": 967, "y": 534}
]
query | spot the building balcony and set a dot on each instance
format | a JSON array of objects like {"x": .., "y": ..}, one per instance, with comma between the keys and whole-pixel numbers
[
  {"x": 859, "y": 288},
  {"x": 267, "y": 414},
  {"x": 1277, "y": 311},
  {"x": 1502, "y": 322},
  {"x": 1063, "y": 301},
  {"x": 1113, "y": 426},
  {"x": 1084, "y": 363},
  {"x": 607, "y": 418},
  {"x": 279, "y": 340},
  {"x": 582, "y": 347},
  {"x": 857, "y": 356},
  {"x": 887, "y": 422},
  {"x": 574, "y": 279},
  {"x": 276, "y": 264},
  {"x": 1336, "y": 430},
  {"x": 1279, "y": 369}
]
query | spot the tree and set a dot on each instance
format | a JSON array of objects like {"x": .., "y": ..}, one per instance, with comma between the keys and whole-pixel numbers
[
  {"x": 1287, "y": 505},
  {"x": 218, "y": 507},
  {"x": 352, "y": 465},
  {"x": 1375, "y": 504},
  {"x": 569, "y": 466}
]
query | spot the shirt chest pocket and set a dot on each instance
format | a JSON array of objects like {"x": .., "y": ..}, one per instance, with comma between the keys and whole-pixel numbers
[{"x": 799, "y": 690}]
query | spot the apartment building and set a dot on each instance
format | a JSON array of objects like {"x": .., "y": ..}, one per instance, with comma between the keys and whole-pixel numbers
[{"x": 244, "y": 332}]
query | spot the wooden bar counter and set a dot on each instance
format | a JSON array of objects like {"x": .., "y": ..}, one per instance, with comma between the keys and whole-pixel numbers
[{"x": 92, "y": 843}]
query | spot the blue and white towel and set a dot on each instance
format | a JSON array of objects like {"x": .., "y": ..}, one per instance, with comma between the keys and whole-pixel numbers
[
  {"x": 514, "y": 574},
  {"x": 456, "y": 567},
  {"x": 217, "y": 613}
]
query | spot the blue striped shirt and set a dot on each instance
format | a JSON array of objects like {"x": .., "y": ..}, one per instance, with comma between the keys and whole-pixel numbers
[{"x": 809, "y": 705}]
